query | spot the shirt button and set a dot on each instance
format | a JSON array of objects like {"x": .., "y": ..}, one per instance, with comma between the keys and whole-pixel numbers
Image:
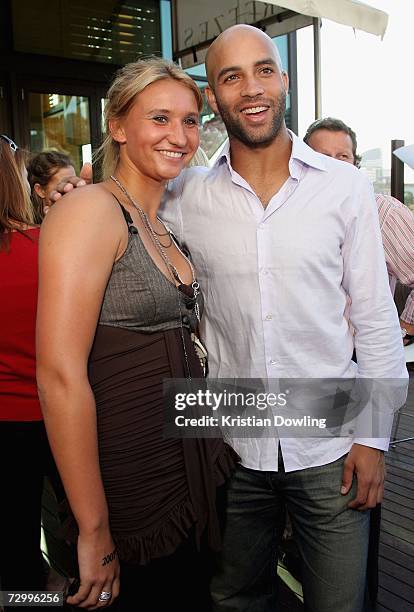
[
  {"x": 273, "y": 362},
  {"x": 265, "y": 272},
  {"x": 269, "y": 317},
  {"x": 261, "y": 226}
]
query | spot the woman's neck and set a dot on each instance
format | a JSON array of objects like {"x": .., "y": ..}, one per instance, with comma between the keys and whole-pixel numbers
[{"x": 145, "y": 191}]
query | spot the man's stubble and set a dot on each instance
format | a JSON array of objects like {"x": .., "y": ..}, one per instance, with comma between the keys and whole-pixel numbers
[{"x": 255, "y": 138}]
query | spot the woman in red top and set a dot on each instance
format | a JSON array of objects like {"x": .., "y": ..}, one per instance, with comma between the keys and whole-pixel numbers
[{"x": 23, "y": 443}]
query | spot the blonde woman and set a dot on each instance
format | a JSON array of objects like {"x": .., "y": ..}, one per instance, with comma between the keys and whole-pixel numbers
[{"x": 124, "y": 300}]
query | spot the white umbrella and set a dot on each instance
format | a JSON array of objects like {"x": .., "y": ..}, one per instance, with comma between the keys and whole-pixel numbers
[
  {"x": 406, "y": 155},
  {"x": 347, "y": 12},
  {"x": 196, "y": 23},
  {"x": 352, "y": 13}
]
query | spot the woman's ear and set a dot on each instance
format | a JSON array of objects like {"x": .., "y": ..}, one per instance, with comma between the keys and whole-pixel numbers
[
  {"x": 117, "y": 131},
  {"x": 38, "y": 189}
]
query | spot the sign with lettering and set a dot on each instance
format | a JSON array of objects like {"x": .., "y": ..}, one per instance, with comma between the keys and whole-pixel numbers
[{"x": 197, "y": 23}]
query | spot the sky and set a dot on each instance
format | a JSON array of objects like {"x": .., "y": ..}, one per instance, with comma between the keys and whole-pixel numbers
[{"x": 367, "y": 82}]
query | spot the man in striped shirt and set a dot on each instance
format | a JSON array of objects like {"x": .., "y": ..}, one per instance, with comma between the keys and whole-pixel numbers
[{"x": 334, "y": 138}]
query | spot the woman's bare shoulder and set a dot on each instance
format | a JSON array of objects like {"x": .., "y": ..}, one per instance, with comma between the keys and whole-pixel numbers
[
  {"x": 89, "y": 220},
  {"x": 84, "y": 204}
]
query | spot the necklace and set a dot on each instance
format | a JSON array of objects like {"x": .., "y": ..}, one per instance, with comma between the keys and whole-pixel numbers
[
  {"x": 172, "y": 270},
  {"x": 167, "y": 233},
  {"x": 144, "y": 217},
  {"x": 156, "y": 241}
]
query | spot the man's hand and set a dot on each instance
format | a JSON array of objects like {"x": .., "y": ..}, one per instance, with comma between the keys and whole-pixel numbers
[
  {"x": 368, "y": 464},
  {"x": 409, "y": 329},
  {"x": 85, "y": 178}
]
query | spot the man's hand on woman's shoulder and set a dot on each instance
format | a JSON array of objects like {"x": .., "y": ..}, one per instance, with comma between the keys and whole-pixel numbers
[{"x": 68, "y": 184}]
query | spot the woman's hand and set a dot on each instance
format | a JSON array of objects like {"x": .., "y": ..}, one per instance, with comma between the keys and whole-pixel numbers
[{"x": 98, "y": 570}]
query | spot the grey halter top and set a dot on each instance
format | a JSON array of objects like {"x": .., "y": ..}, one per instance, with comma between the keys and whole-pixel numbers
[{"x": 140, "y": 297}]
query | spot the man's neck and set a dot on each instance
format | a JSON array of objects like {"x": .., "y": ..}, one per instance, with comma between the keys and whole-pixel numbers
[{"x": 264, "y": 168}]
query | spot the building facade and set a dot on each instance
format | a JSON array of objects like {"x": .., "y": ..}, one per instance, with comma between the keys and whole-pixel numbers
[{"x": 58, "y": 58}]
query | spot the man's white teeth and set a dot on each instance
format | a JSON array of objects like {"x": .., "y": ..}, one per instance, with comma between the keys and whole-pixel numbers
[
  {"x": 175, "y": 154},
  {"x": 255, "y": 109}
]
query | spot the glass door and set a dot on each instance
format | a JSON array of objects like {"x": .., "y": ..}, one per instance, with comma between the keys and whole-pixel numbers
[
  {"x": 61, "y": 115},
  {"x": 62, "y": 122}
]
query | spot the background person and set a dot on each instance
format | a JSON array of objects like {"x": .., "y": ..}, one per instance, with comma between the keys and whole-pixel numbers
[
  {"x": 124, "y": 300},
  {"x": 24, "y": 449},
  {"x": 45, "y": 170}
]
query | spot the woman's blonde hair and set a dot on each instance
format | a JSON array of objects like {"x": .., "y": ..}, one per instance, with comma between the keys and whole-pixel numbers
[
  {"x": 16, "y": 209},
  {"x": 129, "y": 81}
]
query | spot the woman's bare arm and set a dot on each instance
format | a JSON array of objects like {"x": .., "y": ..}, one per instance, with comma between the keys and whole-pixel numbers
[{"x": 80, "y": 240}]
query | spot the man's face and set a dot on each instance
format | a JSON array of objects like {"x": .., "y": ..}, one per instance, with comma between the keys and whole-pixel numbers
[
  {"x": 334, "y": 144},
  {"x": 249, "y": 88}
]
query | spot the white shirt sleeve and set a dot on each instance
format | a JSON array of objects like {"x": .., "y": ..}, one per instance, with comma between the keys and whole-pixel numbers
[{"x": 373, "y": 315}]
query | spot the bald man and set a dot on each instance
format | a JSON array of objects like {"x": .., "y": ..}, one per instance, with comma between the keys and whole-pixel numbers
[
  {"x": 279, "y": 238},
  {"x": 274, "y": 230}
]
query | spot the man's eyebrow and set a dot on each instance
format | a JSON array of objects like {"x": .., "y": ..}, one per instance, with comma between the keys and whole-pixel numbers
[
  {"x": 224, "y": 71},
  {"x": 267, "y": 60}
]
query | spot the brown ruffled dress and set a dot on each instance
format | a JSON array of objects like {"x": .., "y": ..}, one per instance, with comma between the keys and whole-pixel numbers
[{"x": 157, "y": 489}]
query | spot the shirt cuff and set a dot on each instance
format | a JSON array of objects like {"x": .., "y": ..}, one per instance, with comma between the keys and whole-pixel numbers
[{"x": 378, "y": 443}]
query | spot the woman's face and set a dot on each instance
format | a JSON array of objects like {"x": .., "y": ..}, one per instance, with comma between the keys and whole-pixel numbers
[
  {"x": 44, "y": 192},
  {"x": 160, "y": 133}
]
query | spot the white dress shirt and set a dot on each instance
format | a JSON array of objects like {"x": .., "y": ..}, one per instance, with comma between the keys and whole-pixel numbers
[{"x": 275, "y": 281}]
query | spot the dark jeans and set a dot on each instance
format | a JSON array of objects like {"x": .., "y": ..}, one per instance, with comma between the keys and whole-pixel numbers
[
  {"x": 24, "y": 460},
  {"x": 332, "y": 540}
]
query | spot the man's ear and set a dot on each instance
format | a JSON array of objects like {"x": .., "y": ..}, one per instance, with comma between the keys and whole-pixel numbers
[
  {"x": 285, "y": 79},
  {"x": 211, "y": 99},
  {"x": 117, "y": 131},
  {"x": 38, "y": 189}
]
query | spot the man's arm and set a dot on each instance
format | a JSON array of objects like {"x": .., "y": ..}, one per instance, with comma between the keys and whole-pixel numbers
[
  {"x": 365, "y": 279},
  {"x": 378, "y": 345},
  {"x": 397, "y": 229},
  {"x": 407, "y": 316}
]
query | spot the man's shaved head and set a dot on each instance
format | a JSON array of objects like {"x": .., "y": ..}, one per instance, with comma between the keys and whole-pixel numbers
[
  {"x": 239, "y": 37},
  {"x": 247, "y": 85}
]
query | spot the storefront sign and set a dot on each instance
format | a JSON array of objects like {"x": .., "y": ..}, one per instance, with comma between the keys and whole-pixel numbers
[{"x": 197, "y": 22}]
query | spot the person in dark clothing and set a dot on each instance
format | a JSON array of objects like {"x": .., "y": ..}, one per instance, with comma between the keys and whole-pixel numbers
[{"x": 125, "y": 301}]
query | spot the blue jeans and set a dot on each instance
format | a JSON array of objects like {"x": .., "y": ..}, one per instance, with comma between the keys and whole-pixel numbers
[{"x": 332, "y": 540}]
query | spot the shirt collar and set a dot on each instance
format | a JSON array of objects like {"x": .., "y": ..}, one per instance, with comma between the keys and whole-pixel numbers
[{"x": 301, "y": 154}]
